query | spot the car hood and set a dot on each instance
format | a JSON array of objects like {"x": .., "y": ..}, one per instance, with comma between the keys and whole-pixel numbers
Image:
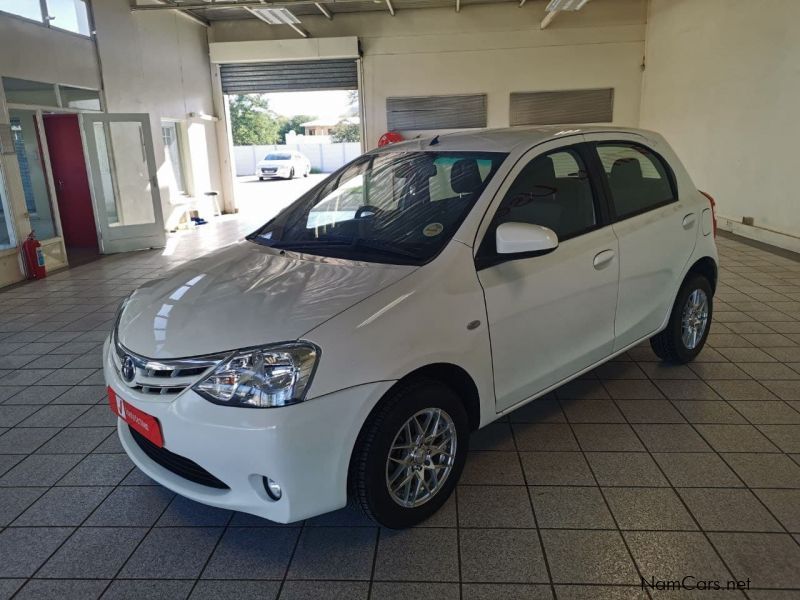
[{"x": 245, "y": 295}]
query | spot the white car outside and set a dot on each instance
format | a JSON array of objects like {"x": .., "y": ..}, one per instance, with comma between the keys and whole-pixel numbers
[
  {"x": 348, "y": 347},
  {"x": 286, "y": 164}
]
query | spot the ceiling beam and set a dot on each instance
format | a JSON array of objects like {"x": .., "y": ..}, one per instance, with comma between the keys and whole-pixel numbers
[
  {"x": 390, "y": 7},
  {"x": 179, "y": 9},
  {"x": 548, "y": 18},
  {"x": 324, "y": 11}
]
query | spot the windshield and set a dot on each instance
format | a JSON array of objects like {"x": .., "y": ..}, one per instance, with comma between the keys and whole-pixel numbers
[
  {"x": 392, "y": 207},
  {"x": 278, "y": 156}
]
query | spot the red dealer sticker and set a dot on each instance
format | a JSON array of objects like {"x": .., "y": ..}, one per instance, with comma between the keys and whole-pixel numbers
[{"x": 145, "y": 424}]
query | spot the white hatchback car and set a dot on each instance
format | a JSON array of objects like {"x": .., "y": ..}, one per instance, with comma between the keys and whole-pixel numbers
[
  {"x": 283, "y": 163},
  {"x": 348, "y": 347}
]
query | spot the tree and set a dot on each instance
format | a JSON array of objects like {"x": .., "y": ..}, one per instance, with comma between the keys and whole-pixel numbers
[
  {"x": 252, "y": 122},
  {"x": 288, "y": 124},
  {"x": 345, "y": 131}
]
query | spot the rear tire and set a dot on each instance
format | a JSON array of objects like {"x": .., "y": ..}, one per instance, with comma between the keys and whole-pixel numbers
[
  {"x": 689, "y": 323},
  {"x": 391, "y": 450}
]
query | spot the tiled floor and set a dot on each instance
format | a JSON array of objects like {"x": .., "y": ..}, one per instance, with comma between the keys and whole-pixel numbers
[{"x": 637, "y": 470}]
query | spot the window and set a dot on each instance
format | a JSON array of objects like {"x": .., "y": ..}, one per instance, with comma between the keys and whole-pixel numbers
[
  {"x": 79, "y": 98},
  {"x": 24, "y": 91},
  {"x": 70, "y": 15},
  {"x": 30, "y": 9},
  {"x": 6, "y": 240},
  {"x": 27, "y": 145},
  {"x": 39, "y": 93},
  {"x": 553, "y": 191},
  {"x": 173, "y": 154},
  {"x": 637, "y": 177},
  {"x": 388, "y": 207}
]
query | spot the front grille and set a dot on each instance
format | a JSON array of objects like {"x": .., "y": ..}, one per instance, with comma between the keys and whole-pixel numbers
[
  {"x": 181, "y": 466},
  {"x": 163, "y": 377}
]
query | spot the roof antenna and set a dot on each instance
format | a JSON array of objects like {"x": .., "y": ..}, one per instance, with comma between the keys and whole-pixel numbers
[{"x": 434, "y": 141}]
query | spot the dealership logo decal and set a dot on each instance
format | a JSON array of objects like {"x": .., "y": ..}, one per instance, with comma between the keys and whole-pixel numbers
[{"x": 128, "y": 369}]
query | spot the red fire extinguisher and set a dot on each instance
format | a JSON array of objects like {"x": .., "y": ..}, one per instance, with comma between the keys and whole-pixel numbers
[{"x": 33, "y": 257}]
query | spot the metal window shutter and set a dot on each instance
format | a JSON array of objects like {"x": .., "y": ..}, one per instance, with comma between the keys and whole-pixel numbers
[
  {"x": 436, "y": 112},
  {"x": 567, "y": 106},
  {"x": 289, "y": 76}
]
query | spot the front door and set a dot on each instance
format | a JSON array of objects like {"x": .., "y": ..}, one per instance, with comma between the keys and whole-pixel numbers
[
  {"x": 549, "y": 316},
  {"x": 122, "y": 167}
]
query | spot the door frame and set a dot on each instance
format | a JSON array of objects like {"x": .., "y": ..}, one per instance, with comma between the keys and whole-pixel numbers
[{"x": 140, "y": 236}]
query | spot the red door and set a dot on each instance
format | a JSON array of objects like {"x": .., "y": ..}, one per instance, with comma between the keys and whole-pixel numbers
[{"x": 74, "y": 197}]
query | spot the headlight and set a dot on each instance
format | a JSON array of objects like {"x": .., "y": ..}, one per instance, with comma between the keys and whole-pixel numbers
[{"x": 265, "y": 377}]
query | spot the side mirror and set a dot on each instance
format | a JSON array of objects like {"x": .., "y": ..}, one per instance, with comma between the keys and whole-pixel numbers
[{"x": 517, "y": 238}]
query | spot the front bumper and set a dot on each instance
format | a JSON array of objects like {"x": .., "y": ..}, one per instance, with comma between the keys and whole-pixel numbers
[{"x": 306, "y": 447}]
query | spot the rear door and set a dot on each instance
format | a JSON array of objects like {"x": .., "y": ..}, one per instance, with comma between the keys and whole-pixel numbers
[{"x": 656, "y": 228}]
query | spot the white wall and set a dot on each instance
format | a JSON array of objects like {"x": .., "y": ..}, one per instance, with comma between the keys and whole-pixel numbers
[
  {"x": 722, "y": 83},
  {"x": 493, "y": 49},
  {"x": 158, "y": 63}
]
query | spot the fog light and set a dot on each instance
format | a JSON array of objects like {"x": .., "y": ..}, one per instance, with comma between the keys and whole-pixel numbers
[{"x": 272, "y": 488}]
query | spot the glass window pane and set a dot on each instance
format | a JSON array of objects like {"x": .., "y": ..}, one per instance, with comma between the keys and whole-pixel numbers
[
  {"x": 30, "y": 9},
  {"x": 5, "y": 217},
  {"x": 71, "y": 15},
  {"x": 552, "y": 191},
  {"x": 72, "y": 97},
  {"x": 123, "y": 162},
  {"x": 23, "y": 91},
  {"x": 172, "y": 153},
  {"x": 31, "y": 168},
  {"x": 637, "y": 178}
]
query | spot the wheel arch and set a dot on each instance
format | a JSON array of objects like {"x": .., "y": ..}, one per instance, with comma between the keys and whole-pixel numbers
[{"x": 707, "y": 267}]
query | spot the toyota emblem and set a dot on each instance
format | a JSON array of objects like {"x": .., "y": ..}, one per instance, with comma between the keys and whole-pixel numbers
[{"x": 128, "y": 369}]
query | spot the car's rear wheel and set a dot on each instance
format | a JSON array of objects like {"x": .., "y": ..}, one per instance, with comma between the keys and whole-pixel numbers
[
  {"x": 410, "y": 454},
  {"x": 689, "y": 323}
]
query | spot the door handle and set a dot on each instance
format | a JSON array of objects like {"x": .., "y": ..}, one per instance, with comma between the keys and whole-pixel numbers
[
  {"x": 689, "y": 220},
  {"x": 603, "y": 258}
]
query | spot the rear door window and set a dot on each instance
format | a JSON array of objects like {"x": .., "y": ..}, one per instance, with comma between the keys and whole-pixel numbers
[{"x": 637, "y": 177}]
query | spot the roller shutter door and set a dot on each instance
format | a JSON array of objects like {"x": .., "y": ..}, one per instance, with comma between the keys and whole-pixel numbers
[{"x": 289, "y": 76}]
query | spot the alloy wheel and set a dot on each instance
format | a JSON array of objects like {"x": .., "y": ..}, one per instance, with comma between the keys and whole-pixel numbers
[
  {"x": 694, "y": 319},
  {"x": 421, "y": 457}
]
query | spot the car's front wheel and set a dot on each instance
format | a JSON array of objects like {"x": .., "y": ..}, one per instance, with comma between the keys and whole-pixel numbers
[
  {"x": 689, "y": 323},
  {"x": 410, "y": 454}
]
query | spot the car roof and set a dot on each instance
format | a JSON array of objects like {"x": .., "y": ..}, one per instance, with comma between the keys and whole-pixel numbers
[{"x": 506, "y": 139}]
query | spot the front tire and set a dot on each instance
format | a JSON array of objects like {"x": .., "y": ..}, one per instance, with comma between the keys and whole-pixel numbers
[
  {"x": 410, "y": 454},
  {"x": 291, "y": 173},
  {"x": 689, "y": 323}
]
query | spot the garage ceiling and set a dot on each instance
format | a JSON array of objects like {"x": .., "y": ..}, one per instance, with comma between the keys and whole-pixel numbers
[{"x": 291, "y": 12}]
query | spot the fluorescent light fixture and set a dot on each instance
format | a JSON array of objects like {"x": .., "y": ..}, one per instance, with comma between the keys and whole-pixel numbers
[
  {"x": 556, "y": 5},
  {"x": 276, "y": 16}
]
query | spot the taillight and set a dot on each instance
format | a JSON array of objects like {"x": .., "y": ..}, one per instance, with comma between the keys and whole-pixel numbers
[{"x": 713, "y": 210}]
